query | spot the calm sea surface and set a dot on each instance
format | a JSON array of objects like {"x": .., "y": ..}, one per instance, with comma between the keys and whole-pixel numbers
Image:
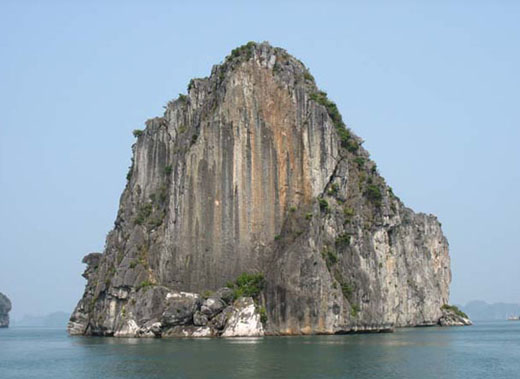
[{"x": 485, "y": 350}]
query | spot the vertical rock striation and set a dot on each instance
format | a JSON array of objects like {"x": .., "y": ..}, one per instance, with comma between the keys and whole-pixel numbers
[
  {"x": 254, "y": 171},
  {"x": 5, "y": 308}
]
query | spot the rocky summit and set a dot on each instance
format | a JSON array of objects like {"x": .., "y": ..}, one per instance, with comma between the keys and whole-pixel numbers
[
  {"x": 5, "y": 308},
  {"x": 251, "y": 209}
]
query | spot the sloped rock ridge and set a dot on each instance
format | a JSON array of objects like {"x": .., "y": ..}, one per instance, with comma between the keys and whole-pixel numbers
[
  {"x": 5, "y": 308},
  {"x": 254, "y": 171}
]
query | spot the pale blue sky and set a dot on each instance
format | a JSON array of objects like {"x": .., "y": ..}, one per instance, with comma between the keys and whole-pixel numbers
[{"x": 433, "y": 89}]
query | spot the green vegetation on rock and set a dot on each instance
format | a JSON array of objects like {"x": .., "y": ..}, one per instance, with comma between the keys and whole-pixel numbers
[
  {"x": 324, "y": 204},
  {"x": 373, "y": 193},
  {"x": 347, "y": 141},
  {"x": 343, "y": 240},
  {"x": 454, "y": 309},
  {"x": 354, "y": 310},
  {"x": 249, "y": 285},
  {"x": 263, "y": 315},
  {"x": 330, "y": 257},
  {"x": 144, "y": 284},
  {"x": 244, "y": 50}
]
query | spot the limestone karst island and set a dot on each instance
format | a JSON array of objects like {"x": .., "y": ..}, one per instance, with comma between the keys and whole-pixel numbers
[
  {"x": 251, "y": 209},
  {"x": 5, "y": 308}
]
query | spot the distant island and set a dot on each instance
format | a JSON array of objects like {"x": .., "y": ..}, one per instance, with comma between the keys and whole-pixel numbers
[
  {"x": 51, "y": 320},
  {"x": 481, "y": 311},
  {"x": 5, "y": 308}
]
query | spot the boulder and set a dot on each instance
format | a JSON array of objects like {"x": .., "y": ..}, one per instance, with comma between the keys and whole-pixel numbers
[
  {"x": 244, "y": 321},
  {"x": 212, "y": 305},
  {"x": 150, "y": 330},
  {"x": 180, "y": 308},
  {"x": 219, "y": 321}
]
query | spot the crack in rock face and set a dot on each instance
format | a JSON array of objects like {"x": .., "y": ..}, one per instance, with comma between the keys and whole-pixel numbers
[{"x": 254, "y": 171}]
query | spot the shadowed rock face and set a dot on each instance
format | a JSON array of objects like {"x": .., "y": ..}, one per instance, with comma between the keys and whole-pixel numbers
[
  {"x": 254, "y": 171},
  {"x": 5, "y": 308}
]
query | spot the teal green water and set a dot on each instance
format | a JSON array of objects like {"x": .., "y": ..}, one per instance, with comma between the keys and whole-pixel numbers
[{"x": 486, "y": 350}]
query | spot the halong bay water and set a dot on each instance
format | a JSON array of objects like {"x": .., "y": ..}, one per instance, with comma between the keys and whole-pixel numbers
[{"x": 485, "y": 350}]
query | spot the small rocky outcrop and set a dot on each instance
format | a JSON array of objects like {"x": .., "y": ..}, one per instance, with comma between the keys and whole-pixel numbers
[
  {"x": 243, "y": 320},
  {"x": 5, "y": 308},
  {"x": 453, "y": 316},
  {"x": 157, "y": 311},
  {"x": 254, "y": 171}
]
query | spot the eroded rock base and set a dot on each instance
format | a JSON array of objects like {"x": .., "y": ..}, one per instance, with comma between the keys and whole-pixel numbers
[{"x": 159, "y": 312}]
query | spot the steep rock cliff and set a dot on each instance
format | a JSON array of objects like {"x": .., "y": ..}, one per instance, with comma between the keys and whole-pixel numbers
[
  {"x": 5, "y": 308},
  {"x": 254, "y": 171}
]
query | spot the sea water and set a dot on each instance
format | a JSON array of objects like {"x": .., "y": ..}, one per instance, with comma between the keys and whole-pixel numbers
[{"x": 485, "y": 350}]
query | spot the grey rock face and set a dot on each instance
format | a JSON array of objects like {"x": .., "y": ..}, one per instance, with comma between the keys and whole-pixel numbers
[
  {"x": 5, "y": 308},
  {"x": 226, "y": 294},
  {"x": 221, "y": 319},
  {"x": 212, "y": 305},
  {"x": 254, "y": 171},
  {"x": 180, "y": 309},
  {"x": 200, "y": 319}
]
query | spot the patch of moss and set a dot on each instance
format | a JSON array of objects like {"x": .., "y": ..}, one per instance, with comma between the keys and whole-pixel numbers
[
  {"x": 144, "y": 284},
  {"x": 263, "y": 314},
  {"x": 330, "y": 257},
  {"x": 347, "y": 290},
  {"x": 324, "y": 204},
  {"x": 354, "y": 310},
  {"x": 348, "y": 212},
  {"x": 207, "y": 293},
  {"x": 343, "y": 240}
]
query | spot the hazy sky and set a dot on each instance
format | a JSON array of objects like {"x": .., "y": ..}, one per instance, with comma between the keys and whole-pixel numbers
[{"x": 433, "y": 89}]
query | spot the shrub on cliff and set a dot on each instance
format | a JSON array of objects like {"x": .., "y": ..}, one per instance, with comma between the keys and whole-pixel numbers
[
  {"x": 249, "y": 285},
  {"x": 373, "y": 193}
]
